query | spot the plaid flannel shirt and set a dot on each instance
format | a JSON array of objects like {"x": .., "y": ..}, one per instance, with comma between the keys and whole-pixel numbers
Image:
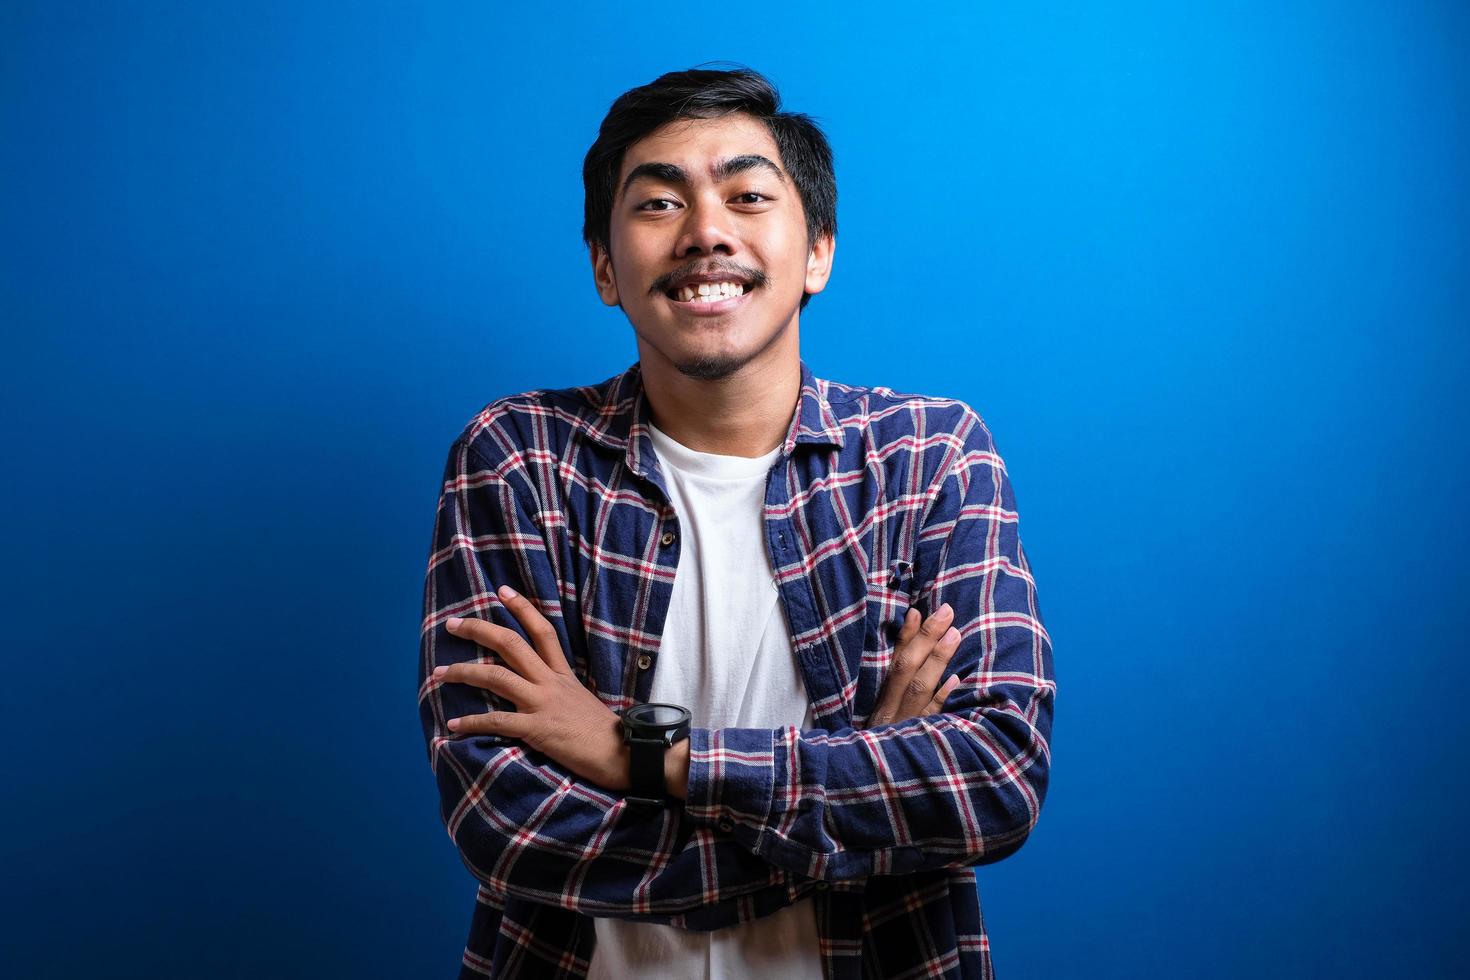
[{"x": 878, "y": 501}]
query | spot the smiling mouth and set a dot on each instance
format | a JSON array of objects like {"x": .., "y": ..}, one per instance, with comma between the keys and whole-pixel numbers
[{"x": 706, "y": 292}]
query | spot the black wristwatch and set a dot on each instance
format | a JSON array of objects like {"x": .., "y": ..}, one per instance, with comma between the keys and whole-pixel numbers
[{"x": 649, "y": 730}]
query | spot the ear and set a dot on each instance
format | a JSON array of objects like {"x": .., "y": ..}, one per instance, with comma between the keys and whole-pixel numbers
[
  {"x": 819, "y": 263},
  {"x": 602, "y": 275}
]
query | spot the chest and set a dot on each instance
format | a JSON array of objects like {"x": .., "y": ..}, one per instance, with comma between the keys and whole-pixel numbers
[{"x": 838, "y": 543}]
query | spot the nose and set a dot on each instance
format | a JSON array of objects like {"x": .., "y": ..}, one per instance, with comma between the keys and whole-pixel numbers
[{"x": 707, "y": 230}]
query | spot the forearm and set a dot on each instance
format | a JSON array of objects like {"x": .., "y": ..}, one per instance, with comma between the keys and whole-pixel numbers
[
  {"x": 676, "y": 770},
  {"x": 955, "y": 789},
  {"x": 536, "y": 832},
  {"x": 537, "y": 798},
  {"x": 524, "y": 825}
]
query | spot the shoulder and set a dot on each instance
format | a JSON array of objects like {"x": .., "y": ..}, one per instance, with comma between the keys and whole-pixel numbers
[
  {"x": 516, "y": 430},
  {"x": 882, "y": 416}
]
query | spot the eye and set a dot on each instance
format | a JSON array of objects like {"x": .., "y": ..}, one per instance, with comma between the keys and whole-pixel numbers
[
  {"x": 759, "y": 197},
  {"x": 649, "y": 205}
]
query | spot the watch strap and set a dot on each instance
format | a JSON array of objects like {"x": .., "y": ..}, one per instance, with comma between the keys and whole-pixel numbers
[{"x": 646, "y": 769}]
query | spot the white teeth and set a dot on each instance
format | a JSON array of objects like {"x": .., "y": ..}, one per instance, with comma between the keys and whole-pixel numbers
[{"x": 709, "y": 292}]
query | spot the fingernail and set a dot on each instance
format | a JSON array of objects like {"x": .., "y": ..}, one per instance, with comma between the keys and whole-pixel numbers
[
  {"x": 454, "y": 724},
  {"x": 946, "y": 609},
  {"x": 506, "y": 592},
  {"x": 453, "y": 622},
  {"x": 440, "y": 672},
  {"x": 952, "y": 634}
]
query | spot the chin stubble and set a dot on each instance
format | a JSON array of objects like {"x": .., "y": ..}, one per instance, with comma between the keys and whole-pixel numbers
[{"x": 716, "y": 367}]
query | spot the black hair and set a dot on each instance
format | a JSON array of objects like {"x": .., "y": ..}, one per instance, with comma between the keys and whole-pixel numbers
[{"x": 702, "y": 93}]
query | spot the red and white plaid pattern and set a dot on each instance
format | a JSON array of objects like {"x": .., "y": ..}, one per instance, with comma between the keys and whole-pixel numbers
[{"x": 878, "y": 501}]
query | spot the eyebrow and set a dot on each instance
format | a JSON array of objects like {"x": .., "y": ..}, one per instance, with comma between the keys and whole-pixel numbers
[{"x": 670, "y": 173}]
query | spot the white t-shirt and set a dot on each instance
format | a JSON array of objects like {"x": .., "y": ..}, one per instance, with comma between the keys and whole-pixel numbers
[{"x": 726, "y": 655}]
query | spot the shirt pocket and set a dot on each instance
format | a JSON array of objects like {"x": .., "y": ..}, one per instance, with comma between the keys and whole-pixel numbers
[{"x": 889, "y": 598}]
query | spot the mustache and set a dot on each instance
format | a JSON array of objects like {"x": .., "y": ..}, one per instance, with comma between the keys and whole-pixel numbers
[{"x": 755, "y": 277}]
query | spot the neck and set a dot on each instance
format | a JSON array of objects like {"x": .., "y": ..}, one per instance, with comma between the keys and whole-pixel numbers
[{"x": 745, "y": 414}]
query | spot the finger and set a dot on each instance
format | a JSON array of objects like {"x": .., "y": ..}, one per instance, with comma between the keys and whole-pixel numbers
[
  {"x": 543, "y": 635},
  {"x": 921, "y": 688},
  {"x": 514, "y": 650},
  {"x": 934, "y": 627},
  {"x": 911, "y": 620},
  {"x": 492, "y": 677},
  {"x": 908, "y": 657},
  {"x": 891, "y": 693},
  {"x": 936, "y": 703},
  {"x": 888, "y": 696},
  {"x": 510, "y": 724}
]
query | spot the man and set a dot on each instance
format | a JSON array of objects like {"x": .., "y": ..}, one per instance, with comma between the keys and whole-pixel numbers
[{"x": 828, "y": 578}]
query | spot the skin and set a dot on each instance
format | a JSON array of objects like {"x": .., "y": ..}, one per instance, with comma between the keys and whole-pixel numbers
[
  {"x": 725, "y": 384},
  {"x": 691, "y": 196},
  {"x": 557, "y": 716}
]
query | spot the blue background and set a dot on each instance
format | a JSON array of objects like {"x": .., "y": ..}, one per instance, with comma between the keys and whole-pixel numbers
[{"x": 1203, "y": 269}]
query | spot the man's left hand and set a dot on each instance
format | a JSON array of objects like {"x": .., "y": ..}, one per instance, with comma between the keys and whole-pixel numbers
[{"x": 555, "y": 714}]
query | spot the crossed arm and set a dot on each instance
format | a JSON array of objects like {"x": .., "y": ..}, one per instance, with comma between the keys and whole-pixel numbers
[
  {"x": 560, "y": 718},
  {"x": 533, "y": 798}
]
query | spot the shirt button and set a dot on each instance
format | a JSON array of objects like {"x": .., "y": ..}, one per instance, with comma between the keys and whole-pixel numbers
[
  {"x": 667, "y": 539},
  {"x": 726, "y": 825},
  {"x": 823, "y": 885},
  {"x": 645, "y": 662}
]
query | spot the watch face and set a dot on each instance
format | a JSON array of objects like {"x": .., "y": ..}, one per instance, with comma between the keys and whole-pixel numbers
[{"x": 658, "y": 715}]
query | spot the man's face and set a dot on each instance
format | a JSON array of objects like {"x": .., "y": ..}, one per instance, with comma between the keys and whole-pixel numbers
[{"x": 706, "y": 204}]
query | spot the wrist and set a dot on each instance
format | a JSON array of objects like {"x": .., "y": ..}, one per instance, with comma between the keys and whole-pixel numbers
[
  {"x": 676, "y": 769},
  {"x": 620, "y": 779},
  {"x": 655, "y": 734}
]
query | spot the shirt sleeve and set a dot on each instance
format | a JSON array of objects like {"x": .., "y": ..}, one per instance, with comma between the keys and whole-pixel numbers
[
  {"x": 959, "y": 788},
  {"x": 524, "y": 826}
]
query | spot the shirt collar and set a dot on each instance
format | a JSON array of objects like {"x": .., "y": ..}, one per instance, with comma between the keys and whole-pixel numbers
[{"x": 623, "y": 419}]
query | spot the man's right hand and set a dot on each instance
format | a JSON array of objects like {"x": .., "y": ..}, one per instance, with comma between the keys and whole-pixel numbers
[{"x": 922, "y": 653}]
